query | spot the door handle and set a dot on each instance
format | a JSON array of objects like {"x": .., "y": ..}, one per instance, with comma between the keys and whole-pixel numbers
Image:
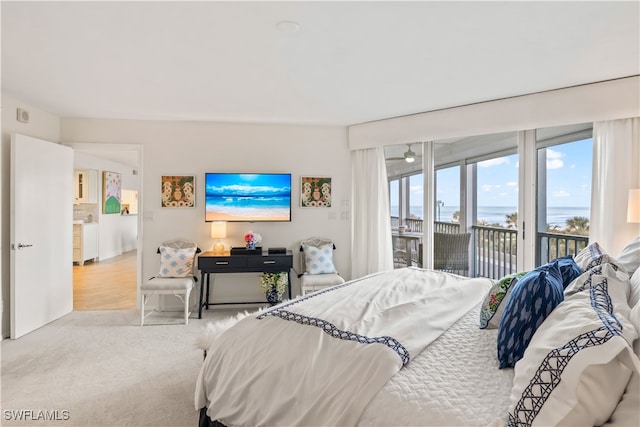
[
  {"x": 269, "y": 262},
  {"x": 19, "y": 246}
]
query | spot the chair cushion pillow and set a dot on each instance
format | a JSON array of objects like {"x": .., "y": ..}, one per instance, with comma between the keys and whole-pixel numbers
[
  {"x": 168, "y": 284},
  {"x": 322, "y": 280},
  {"x": 318, "y": 260},
  {"x": 175, "y": 262},
  {"x": 532, "y": 299},
  {"x": 495, "y": 300}
]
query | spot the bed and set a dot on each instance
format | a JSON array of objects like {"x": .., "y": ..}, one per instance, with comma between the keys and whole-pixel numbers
[{"x": 404, "y": 347}]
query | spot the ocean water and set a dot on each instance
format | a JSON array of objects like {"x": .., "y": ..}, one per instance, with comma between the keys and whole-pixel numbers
[{"x": 556, "y": 216}]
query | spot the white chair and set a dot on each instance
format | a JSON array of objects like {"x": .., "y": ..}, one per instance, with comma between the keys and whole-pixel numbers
[
  {"x": 315, "y": 279},
  {"x": 172, "y": 280}
]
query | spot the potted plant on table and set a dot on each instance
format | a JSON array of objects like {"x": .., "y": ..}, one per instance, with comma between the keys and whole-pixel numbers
[{"x": 273, "y": 286}]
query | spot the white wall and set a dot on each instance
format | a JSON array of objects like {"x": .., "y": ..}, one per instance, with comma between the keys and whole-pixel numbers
[
  {"x": 117, "y": 232},
  {"x": 193, "y": 148},
  {"x": 41, "y": 125}
]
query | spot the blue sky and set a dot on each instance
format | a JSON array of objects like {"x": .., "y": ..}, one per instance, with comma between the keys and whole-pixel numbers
[
  {"x": 247, "y": 184},
  {"x": 568, "y": 179}
]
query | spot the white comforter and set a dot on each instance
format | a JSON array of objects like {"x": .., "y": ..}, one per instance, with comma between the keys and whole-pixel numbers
[{"x": 319, "y": 360}]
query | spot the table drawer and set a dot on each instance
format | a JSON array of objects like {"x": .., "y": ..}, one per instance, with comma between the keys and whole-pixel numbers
[
  {"x": 269, "y": 262},
  {"x": 221, "y": 263}
]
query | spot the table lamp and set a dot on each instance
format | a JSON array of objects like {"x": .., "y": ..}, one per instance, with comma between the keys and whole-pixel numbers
[{"x": 218, "y": 231}]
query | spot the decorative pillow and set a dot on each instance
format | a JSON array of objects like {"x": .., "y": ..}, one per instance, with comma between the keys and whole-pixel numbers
[
  {"x": 532, "y": 299},
  {"x": 176, "y": 262},
  {"x": 593, "y": 255},
  {"x": 629, "y": 257},
  {"x": 579, "y": 361},
  {"x": 587, "y": 255},
  {"x": 319, "y": 260},
  {"x": 626, "y": 413},
  {"x": 495, "y": 300},
  {"x": 585, "y": 279},
  {"x": 569, "y": 269}
]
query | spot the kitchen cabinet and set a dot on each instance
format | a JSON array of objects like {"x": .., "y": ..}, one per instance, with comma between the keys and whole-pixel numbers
[
  {"x": 85, "y": 242},
  {"x": 85, "y": 186}
]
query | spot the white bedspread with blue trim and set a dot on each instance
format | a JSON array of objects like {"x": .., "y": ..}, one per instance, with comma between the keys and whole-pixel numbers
[{"x": 320, "y": 359}]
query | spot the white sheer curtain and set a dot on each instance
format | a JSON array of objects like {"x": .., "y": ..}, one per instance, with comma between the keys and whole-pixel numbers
[
  {"x": 371, "y": 249},
  {"x": 616, "y": 164}
]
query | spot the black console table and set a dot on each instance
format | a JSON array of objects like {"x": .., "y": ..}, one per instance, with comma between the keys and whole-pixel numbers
[{"x": 210, "y": 263}]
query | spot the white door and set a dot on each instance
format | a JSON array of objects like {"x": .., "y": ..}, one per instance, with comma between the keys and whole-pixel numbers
[{"x": 41, "y": 233}]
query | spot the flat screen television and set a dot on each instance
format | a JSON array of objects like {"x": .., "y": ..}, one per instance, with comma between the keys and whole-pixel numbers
[{"x": 247, "y": 197}]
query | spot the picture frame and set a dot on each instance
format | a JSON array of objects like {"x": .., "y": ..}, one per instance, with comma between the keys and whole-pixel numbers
[
  {"x": 315, "y": 192},
  {"x": 111, "y": 192},
  {"x": 178, "y": 191}
]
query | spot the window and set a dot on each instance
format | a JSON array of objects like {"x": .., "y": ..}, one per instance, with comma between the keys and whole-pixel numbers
[
  {"x": 394, "y": 201},
  {"x": 564, "y": 190},
  {"x": 448, "y": 195},
  {"x": 476, "y": 191},
  {"x": 497, "y": 192},
  {"x": 406, "y": 195},
  {"x": 415, "y": 194},
  {"x": 495, "y": 224}
]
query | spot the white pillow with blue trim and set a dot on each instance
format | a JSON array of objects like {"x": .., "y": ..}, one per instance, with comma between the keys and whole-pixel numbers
[
  {"x": 175, "y": 262},
  {"x": 318, "y": 260},
  {"x": 578, "y": 363}
]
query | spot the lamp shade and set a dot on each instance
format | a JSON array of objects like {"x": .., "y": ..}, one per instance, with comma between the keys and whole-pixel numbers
[
  {"x": 218, "y": 229},
  {"x": 633, "y": 209}
]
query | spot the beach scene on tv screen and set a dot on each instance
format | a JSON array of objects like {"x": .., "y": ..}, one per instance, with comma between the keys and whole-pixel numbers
[{"x": 247, "y": 197}]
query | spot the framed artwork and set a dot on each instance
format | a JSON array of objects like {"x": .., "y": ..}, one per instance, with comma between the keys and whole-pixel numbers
[
  {"x": 315, "y": 192},
  {"x": 179, "y": 191},
  {"x": 111, "y": 192}
]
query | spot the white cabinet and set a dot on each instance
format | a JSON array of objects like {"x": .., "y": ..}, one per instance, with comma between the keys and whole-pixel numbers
[
  {"x": 85, "y": 186},
  {"x": 85, "y": 242}
]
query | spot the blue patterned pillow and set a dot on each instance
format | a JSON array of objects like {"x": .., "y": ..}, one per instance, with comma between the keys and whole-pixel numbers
[
  {"x": 569, "y": 270},
  {"x": 319, "y": 260},
  {"x": 176, "y": 262},
  {"x": 532, "y": 299}
]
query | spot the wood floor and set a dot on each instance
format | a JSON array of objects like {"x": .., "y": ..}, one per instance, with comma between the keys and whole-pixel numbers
[{"x": 106, "y": 285}]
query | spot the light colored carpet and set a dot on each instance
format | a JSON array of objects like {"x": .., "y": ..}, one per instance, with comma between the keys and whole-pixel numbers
[{"x": 105, "y": 370}]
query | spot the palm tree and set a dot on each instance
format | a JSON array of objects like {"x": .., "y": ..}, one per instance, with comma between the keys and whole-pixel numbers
[
  {"x": 578, "y": 225},
  {"x": 456, "y": 216},
  {"x": 512, "y": 220}
]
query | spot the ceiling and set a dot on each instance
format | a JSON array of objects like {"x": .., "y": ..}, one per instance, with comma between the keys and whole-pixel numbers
[{"x": 348, "y": 63}]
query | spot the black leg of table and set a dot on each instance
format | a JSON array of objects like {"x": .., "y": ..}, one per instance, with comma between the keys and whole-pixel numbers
[
  {"x": 206, "y": 303},
  {"x": 202, "y": 276},
  {"x": 289, "y": 282}
]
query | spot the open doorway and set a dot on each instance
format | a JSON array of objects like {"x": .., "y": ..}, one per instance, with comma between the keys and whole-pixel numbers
[{"x": 109, "y": 278}]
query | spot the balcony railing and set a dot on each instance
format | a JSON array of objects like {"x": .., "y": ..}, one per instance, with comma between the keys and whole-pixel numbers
[
  {"x": 555, "y": 245},
  {"x": 494, "y": 250}
]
